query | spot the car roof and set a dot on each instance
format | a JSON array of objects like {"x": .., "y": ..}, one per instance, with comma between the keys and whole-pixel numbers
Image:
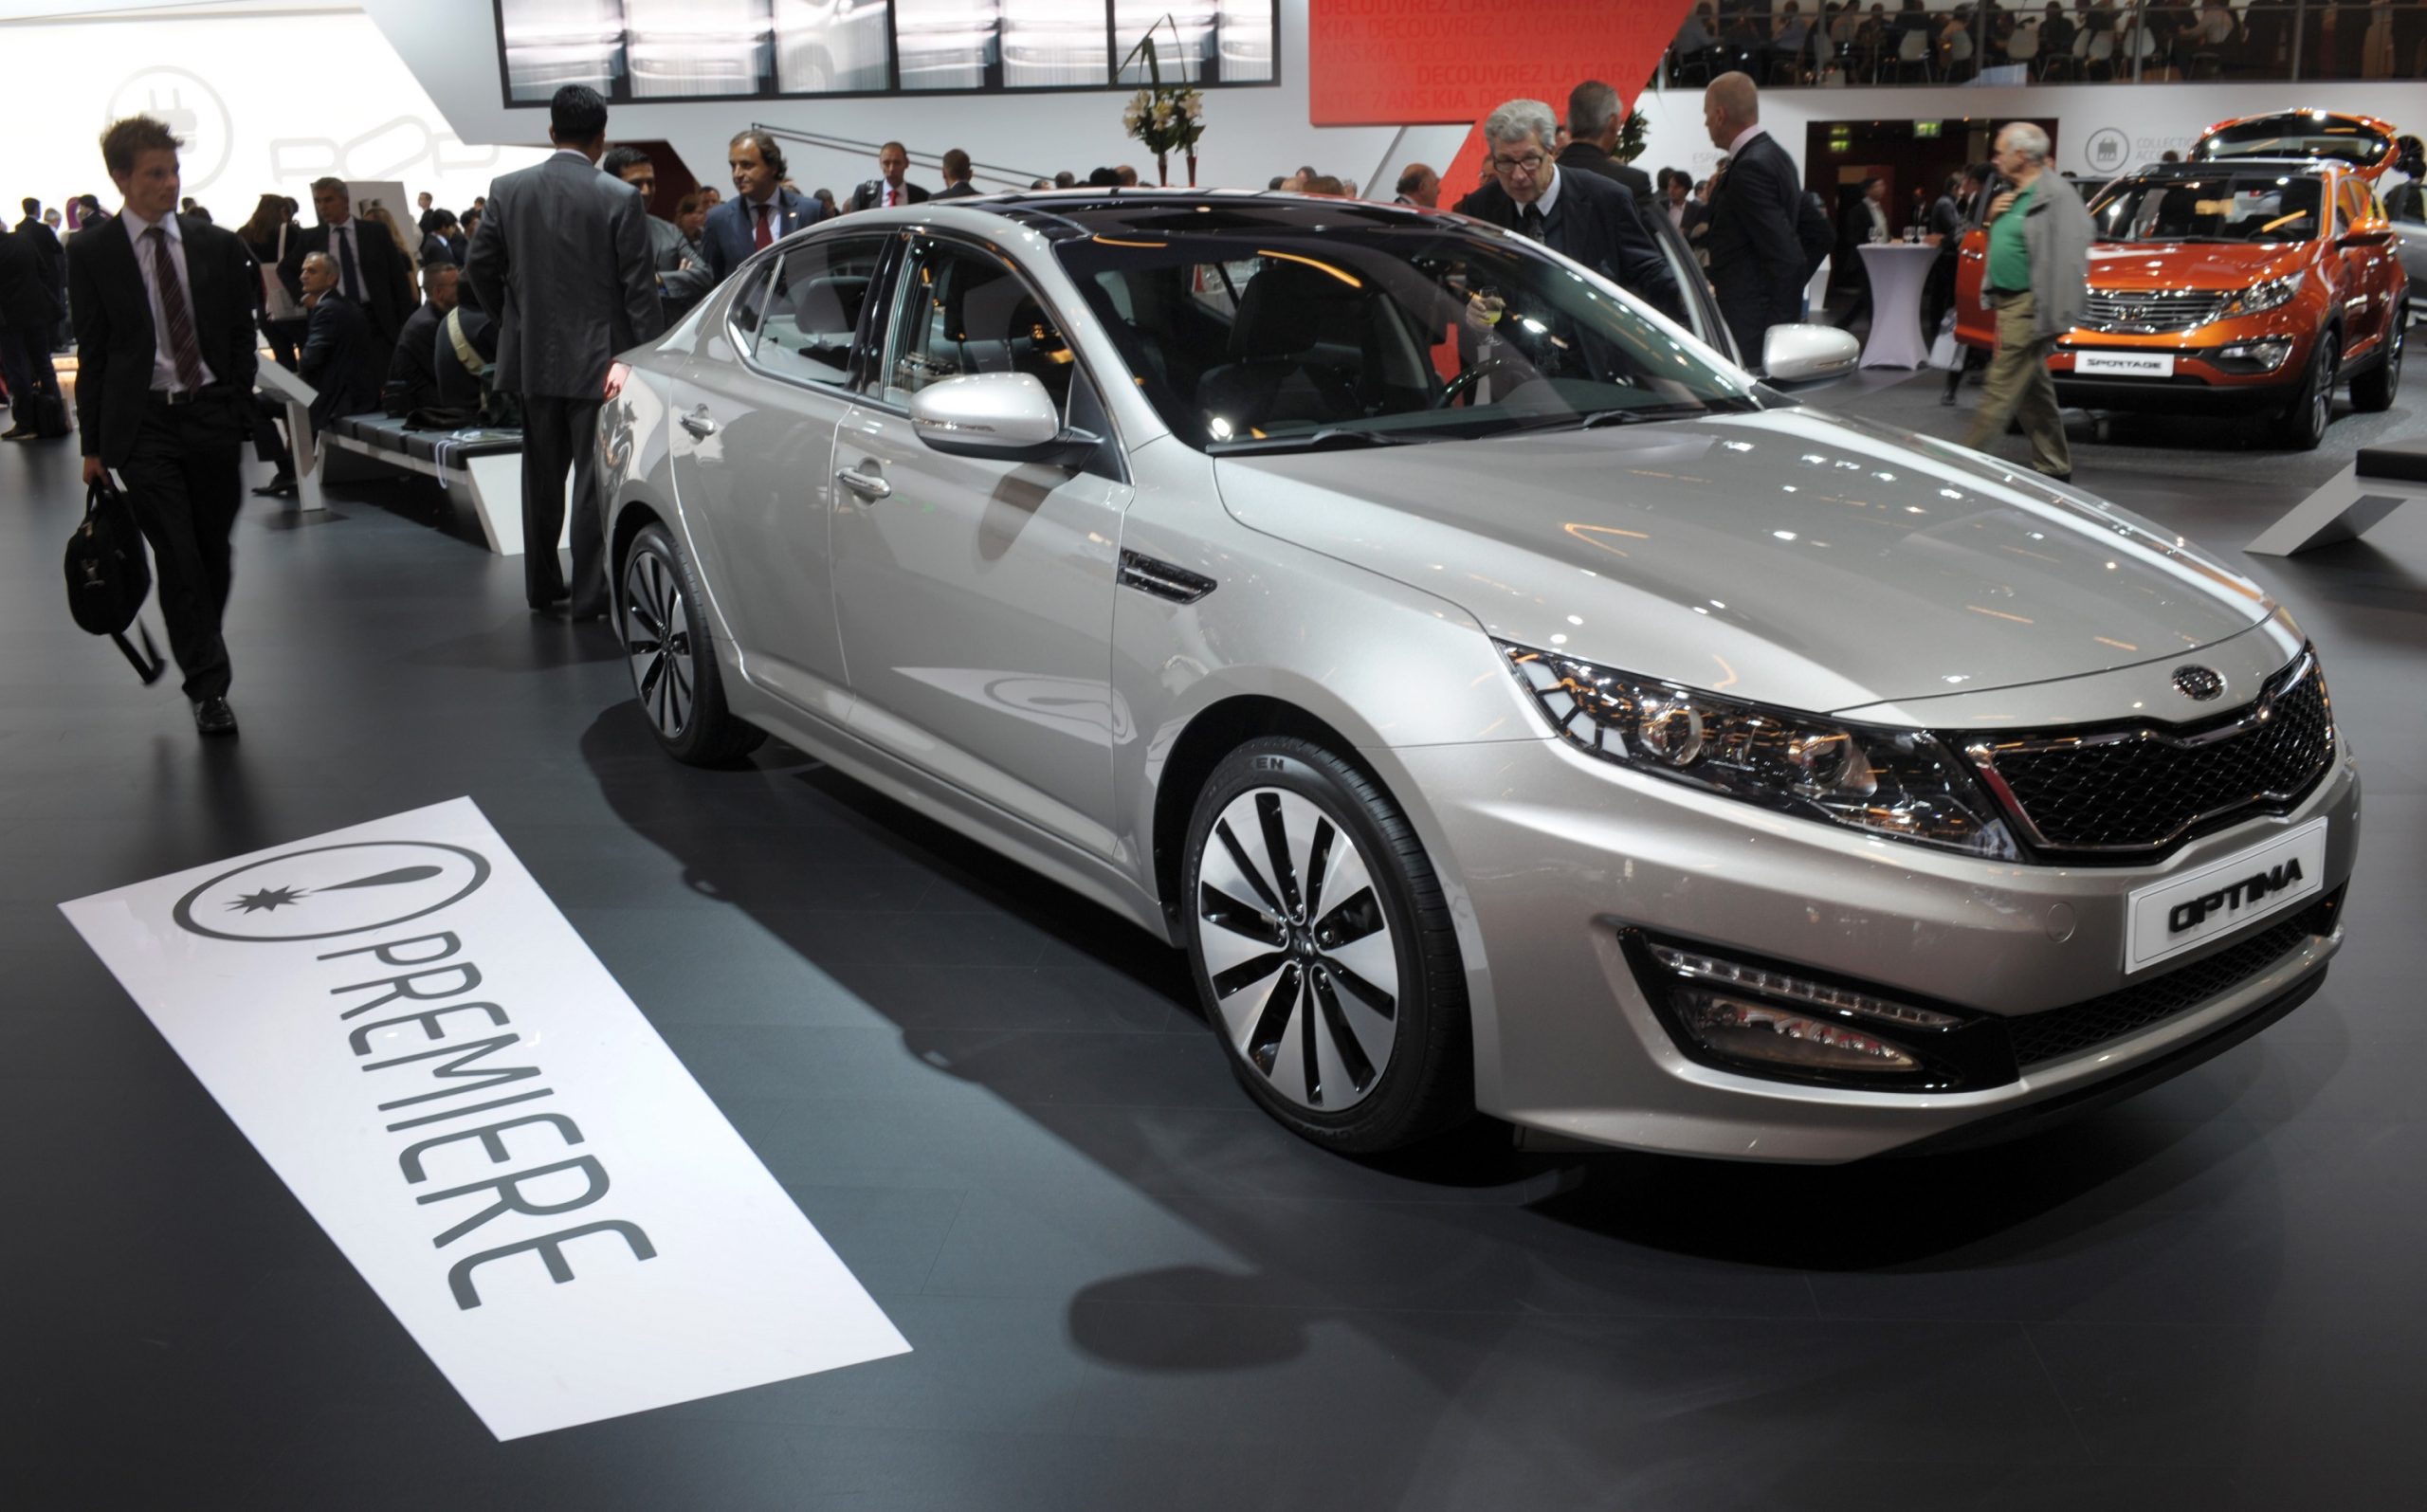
[
  {"x": 2209, "y": 167},
  {"x": 1066, "y": 215}
]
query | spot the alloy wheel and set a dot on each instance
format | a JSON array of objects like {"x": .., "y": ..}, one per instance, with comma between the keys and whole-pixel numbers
[
  {"x": 1299, "y": 950},
  {"x": 2322, "y": 398},
  {"x": 657, "y": 639}
]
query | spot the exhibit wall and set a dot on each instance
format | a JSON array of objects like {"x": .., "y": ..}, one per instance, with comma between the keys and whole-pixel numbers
[{"x": 266, "y": 100}]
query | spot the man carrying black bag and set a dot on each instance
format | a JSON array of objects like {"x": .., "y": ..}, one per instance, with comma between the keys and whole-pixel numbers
[{"x": 164, "y": 337}]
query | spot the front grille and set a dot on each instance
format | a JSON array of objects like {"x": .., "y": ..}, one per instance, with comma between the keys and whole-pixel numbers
[
  {"x": 2150, "y": 312},
  {"x": 2060, "y": 1032},
  {"x": 2122, "y": 794}
]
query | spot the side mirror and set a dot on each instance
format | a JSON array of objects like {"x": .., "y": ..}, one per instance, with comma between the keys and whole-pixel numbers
[
  {"x": 2374, "y": 236},
  {"x": 1798, "y": 355},
  {"x": 1002, "y": 417}
]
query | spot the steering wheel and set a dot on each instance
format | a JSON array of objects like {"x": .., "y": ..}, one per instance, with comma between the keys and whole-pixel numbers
[{"x": 1466, "y": 380}]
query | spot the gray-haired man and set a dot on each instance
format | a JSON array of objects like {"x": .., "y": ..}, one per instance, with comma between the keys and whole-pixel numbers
[
  {"x": 1587, "y": 217},
  {"x": 2037, "y": 279}
]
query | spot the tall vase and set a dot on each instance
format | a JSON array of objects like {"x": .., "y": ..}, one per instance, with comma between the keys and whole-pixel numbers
[
  {"x": 1162, "y": 169},
  {"x": 1191, "y": 167}
]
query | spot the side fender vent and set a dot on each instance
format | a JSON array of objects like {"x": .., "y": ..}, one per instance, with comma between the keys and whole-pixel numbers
[{"x": 1163, "y": 579}]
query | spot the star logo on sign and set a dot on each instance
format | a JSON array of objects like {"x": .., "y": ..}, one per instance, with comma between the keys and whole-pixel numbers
[{"x": 267, "y": 901}]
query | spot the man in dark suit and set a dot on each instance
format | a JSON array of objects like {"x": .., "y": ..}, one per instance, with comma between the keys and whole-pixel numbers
[
  {"x": 1418, "y": 185},
  {"x": 42, "y": 227},
  {"x": 1585, "y": 216},
  {"x": 957, "y": 184},
  {"x": 29, "y": 316},
  {"x": 562, "y": 262},
  {"x": 889, "y": 188},
  {"x": 372, "y": 274},
  {"x": 1757, "y": 256},
  {"x": 412, "y": 373},
  {"x": 761, "y": 211},
  {"x": 1594, "y": 118},
  {"x": 336, "y": 352},
  {"x": 683, "y": 280},
  {"x": 165, "y": 356}
]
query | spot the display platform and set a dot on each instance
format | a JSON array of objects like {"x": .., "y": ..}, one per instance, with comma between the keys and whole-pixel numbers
[{"x": 1123, "y": 1284}]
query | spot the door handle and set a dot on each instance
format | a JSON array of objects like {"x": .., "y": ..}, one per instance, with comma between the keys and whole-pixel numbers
[
  {"x": 866, "y": 484},
  {"x": 700, "y": 423}
]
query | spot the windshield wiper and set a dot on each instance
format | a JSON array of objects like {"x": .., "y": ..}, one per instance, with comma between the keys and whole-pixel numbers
[
  {"x": 1326, "y": 437},
  {"x": 1661, "y": 412}
]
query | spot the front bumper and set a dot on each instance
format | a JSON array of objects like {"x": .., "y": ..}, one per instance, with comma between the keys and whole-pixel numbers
[{"x": 1556, "y": 855}]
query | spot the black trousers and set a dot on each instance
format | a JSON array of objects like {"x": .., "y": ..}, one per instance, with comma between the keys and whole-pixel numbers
[
  {"x": 560, "y": 434},
  {"x": 286, "y": 339},
  {"x": 184, "y": 482},
  {"x": 25, "y": 366},
  {"x": 1750, "y": 312}
]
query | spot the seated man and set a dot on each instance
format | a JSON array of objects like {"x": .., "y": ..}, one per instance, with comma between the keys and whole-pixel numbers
[
  {"x": 336, "y": 359},
  {"x": 467, "y": 349},
  {"x": 412, "y": 373}
]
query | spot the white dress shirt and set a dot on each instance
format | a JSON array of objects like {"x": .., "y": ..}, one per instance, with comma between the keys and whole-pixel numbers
[{"x": 164, "y": 353}]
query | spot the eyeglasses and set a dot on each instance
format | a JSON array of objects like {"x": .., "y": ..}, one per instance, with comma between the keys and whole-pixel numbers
[{"x": 1530, "y": 163}]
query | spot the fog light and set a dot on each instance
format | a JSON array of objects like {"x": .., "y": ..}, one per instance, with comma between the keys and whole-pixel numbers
[
  {"x": 1744, "y": 1029},
  {"x": 2254, "y": 356},
  {"x": 1717, "y": 971}
]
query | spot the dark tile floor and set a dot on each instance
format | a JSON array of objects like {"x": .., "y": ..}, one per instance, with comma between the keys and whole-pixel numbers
[{"x": 1124, "y": 1287}]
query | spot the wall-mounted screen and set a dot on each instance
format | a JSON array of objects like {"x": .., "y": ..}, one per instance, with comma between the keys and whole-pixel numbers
[{"x": 727, "y": 50}]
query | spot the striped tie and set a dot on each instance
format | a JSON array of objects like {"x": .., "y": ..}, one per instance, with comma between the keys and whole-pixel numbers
[{"x": 182, "y": 345}]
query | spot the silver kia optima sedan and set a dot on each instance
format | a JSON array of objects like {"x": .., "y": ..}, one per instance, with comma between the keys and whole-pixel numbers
[{"x": 1508, "y": 703}]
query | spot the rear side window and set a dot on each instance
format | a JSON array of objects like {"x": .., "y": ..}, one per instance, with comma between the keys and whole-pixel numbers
[{"x": 812, "y": 308}]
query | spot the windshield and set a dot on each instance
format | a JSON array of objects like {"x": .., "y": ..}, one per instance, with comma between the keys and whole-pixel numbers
[
  {"x": 2224, "y": 207},
  {"x": 1254, "y": 331},
  {"x": 2300, "y": 134}
]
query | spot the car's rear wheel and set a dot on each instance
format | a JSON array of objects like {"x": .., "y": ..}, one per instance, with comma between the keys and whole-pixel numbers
[
  {"x": 1323, "y": 951},
  {"x": 2373, "y": 390},
  {"x": 2311, "y": 410},
  {"x": 673, "y": 662}
]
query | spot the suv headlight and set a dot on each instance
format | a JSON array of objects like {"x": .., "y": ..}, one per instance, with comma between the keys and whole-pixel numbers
[
  {"x": 2259, "y": 298},
  {"x": 1899, "y": 783}
]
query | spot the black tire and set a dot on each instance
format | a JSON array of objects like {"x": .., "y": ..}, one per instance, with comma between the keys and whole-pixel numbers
[
  {"x": 2306, "y": 419},
  {"x": 1313, "y": 1005},
  {"x": 2372, "y": 392},
  {"x": 673, "y": 660}
]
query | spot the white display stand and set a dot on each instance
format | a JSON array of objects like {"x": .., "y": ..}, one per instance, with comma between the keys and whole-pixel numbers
[
  {"x": 2347, "y": 504},
  {"x": 284, "y": 386},
  {"x": 1897, "y": 271}
]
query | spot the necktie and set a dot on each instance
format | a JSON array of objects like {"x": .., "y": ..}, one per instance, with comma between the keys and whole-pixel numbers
[
  {"x": 351, "y": 288},
  {"x": 183, "y": 348},
  {"x": 1532, "y": 222},
  {"x": 763, "y": 237}
]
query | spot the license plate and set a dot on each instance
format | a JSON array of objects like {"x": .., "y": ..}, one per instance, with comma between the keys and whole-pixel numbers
[
  {"x": 2181, "y": 913},
  {"x": 2126, "y": 364}
]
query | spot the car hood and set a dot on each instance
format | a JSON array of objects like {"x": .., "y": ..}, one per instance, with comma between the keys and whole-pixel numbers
[
  {"x": 1789, "y": 556},
  {"x": 2191, "y": 265}
]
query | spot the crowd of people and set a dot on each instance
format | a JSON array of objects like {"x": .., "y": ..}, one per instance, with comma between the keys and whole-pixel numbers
[{"x": 1791, "y": 42}]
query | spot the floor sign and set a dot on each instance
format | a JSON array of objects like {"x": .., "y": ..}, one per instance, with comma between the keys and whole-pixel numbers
[{"x": 435, "y": 1063}]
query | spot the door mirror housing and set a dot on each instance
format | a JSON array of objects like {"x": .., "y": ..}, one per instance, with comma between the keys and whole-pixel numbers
[
  {"x": 1801, "y": 355},
  {"x": 1000, "y": 416},
  {"x": 2377, "y": 235}
]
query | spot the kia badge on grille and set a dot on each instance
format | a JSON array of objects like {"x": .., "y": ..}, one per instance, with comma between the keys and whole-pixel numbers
[{"x": 2198, "y": 683}]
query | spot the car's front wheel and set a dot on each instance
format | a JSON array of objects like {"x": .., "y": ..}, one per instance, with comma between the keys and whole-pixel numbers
[
  {"x": 1323, "y": 951},
  {"x": 2373, "y": 390},
  {"x": 674, "y": 665},
  {"x": 2312, "y": 410}
]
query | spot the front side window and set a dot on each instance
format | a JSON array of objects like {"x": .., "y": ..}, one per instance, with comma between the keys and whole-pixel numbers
[
  {"x": 812, "y": 308},
  {"x": 963, "y": 310},
  {"x": 2227, "y": 207},
  {"x": 1252, "y": 330}
]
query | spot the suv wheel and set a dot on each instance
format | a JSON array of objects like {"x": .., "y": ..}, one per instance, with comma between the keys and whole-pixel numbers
[
  {"x": 1322, "y": 950},
  {"x": 2373, "y": 391},
  {"x": 2306, "y": 419},
  {"x": 673, "y": 662}
]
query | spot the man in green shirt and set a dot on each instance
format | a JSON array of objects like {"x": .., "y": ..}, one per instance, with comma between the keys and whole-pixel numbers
[{"x": 2038, "y": 279}]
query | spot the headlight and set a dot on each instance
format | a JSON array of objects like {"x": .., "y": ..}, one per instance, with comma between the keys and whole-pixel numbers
[
  {"x": 1900, "y": 783},
  {"x": 2263, "y": 297}
]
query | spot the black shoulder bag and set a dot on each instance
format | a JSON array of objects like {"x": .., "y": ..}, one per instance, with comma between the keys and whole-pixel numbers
[{"x": 109, "y": 576}]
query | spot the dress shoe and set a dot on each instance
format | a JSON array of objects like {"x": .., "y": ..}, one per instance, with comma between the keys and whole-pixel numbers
[
  {"x": 1947, "y": 398},
  {"x": 282, "y": 486},
  {"x": 19, "y": 433},
  {"x": 213, "y": 717}
]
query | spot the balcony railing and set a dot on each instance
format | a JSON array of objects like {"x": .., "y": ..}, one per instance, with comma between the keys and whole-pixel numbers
[{"x": 1786, "y": 43}]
